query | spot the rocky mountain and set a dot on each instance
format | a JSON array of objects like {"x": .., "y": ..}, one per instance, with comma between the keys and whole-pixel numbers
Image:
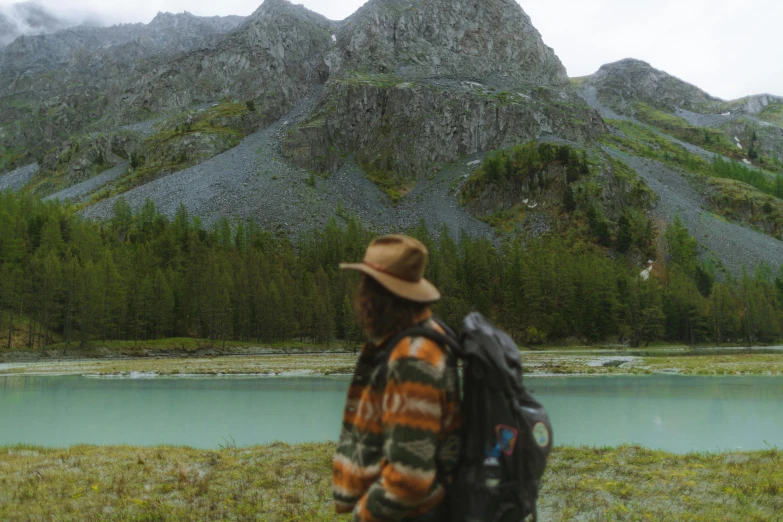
[
  {"x": 422, "y": 83},
  {"x": 274, "y": 58},
  {"x": 717, "y": 165},
  {"x": 628, "y": 81},
  {"x": 443, "y": 38},
  {"x": 56, "y": 86},
  {"x": 394, "y": 115},
  {"x": 81, "y": 48},
  {"x": 750, "y": 126}
]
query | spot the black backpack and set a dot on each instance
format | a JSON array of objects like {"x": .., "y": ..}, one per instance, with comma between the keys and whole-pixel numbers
[{"x": 506, "y": 433}]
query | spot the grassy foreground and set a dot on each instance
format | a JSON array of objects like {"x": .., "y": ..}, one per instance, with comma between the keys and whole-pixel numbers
[{"x": 292, "y": 483}]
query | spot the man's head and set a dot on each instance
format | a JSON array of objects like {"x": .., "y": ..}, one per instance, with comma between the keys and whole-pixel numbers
[{"x": 393, "y": 291}]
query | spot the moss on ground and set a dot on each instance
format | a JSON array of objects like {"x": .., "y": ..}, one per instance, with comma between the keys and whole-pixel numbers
[
  {"x": 293, "y": 483},
  {"x": 630, "y": 483}
]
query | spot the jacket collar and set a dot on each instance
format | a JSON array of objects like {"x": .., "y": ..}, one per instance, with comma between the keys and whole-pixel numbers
[{"x": 425, "y": 315}]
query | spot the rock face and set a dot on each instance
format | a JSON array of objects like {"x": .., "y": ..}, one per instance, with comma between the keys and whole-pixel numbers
[
  {"x": 420, "y": 83},
  {"x": 95, "y": 49},
  {"x": 177, "y": 61},
  {"x": 81, "y": 158},
  {"x": 407, "y": 130},
  {"x": 622, "y": 83},
  {"x": 492, "y": 40},
  {"x": 756, "y": 104},
  {"x": 274, "y": 57},
  {"x": 55, "y": 86}
]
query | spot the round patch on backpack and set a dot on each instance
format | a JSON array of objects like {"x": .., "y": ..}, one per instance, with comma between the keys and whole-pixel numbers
[{"x": 541, "y": 434}]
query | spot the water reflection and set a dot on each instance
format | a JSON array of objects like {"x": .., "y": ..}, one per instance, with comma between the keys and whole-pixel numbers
[{"x": 670, "y": 412}]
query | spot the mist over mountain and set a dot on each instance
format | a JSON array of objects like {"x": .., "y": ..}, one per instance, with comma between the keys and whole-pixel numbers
[{"x": 30, "y": 18}]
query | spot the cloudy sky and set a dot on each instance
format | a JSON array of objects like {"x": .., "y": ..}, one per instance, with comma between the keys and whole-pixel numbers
[{"x": 727, "y": 47}]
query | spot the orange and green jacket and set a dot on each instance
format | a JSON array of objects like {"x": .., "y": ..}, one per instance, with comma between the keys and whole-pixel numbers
[{"x": 400, "y": 431}]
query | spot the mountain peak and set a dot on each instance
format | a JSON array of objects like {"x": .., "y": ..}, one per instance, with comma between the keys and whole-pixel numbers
[
  {"x": 632, "y": 80},
  {"x": 491, "y": 40},
  {"x": 626, "y": 64},
  {"x": 164, "y": 18}
]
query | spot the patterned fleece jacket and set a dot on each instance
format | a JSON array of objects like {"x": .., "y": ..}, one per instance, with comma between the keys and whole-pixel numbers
[{"x": 400, "y": 426}]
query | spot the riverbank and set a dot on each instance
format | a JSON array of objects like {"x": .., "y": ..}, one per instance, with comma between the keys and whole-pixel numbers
[
  {"x": 286, "y": 483},
  {"x": 261, "y": 365},
  {"x": 297, "y": 361}
]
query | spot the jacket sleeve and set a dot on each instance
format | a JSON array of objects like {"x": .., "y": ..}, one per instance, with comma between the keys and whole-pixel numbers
[
  {"x": 412, "y": 417},
  {"x": 350, "y": 479}
]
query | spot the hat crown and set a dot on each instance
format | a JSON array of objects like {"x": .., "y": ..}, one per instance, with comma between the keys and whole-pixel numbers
[{"x": 400, "y": 256}]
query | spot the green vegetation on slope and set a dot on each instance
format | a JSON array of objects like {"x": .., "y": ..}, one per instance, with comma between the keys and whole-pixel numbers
[
  {"x": 187, "y": 140},
  {"x": 639, "y": 140},
  {"x": 754, "y": 178},
  {"x": 642, "y": 141},
  {"x": 520, "y": 169},
  {"x": 740, "y": 202},
  {"x": 161, "y": 151},
  {"x": 773, "y": 113},
  {"x": 10, "y": 159},
  {"x": 281, "y": 483},
  {"x": 593, "y": 197},
  {"x": 390, "y": 182},
  {"x": 81, "y": 158},
  {"x": 710, "y": 139}
]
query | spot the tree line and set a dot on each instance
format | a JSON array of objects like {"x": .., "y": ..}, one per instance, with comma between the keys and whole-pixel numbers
[
  {"x": 766, "y": 183},
  {"x": 141, "y": 276}
]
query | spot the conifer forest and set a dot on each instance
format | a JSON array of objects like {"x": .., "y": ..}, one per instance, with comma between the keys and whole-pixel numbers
[{"x": 141, "y": 276}]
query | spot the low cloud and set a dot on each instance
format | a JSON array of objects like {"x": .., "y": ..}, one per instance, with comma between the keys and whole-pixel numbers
[{"x": 32, "y": 18}]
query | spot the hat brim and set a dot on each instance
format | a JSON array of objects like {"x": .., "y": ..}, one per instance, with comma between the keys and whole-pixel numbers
[{"x": 420, "y": 292}]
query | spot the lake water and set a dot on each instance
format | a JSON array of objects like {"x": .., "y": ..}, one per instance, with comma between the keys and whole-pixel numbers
[{"x": 674, "y": 413}]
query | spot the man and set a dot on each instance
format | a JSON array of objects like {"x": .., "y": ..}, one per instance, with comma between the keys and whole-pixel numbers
[{"x": 400, "y": 438}]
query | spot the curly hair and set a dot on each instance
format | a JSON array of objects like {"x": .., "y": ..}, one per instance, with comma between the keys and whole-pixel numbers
[{"x": 381, "y": 313}]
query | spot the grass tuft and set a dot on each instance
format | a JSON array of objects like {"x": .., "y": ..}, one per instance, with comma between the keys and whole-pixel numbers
[{"x": 278, "y": 483}]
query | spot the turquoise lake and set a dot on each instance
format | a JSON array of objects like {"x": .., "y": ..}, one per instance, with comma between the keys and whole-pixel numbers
[{"x": 673, "y": 413}]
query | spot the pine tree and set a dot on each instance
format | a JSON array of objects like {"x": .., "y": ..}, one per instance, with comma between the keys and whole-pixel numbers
[
  {"x": 624, "y": 235},
  {"x": 569, "y": 203},
  {"x": 350, "y": 330},
  {"x": 122, "y": 217}
]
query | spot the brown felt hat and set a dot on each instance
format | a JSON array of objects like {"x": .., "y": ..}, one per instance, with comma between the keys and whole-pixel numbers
[{"x": 397, "y": 262}]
